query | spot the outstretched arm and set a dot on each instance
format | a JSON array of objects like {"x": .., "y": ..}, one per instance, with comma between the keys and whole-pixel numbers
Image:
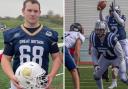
[
  {"x": 118, "y": 18},
  {"x": 101, "y": 17}
]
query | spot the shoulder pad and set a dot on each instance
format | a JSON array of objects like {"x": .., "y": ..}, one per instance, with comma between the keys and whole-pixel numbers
[
  {"x": 112, "y": 39},
  {"x": 10, "y": 34}
]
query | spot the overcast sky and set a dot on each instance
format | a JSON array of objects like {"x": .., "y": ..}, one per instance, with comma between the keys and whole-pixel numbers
[{"x": 13, "y": 8}]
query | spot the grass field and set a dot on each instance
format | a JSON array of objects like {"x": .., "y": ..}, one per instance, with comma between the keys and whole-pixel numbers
[{"x": 86, "y": 79}]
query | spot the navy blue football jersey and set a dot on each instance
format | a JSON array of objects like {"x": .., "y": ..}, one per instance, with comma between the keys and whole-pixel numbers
[
  {"x": 25, "y": 46},
  {"x": 106, "y": 48},
  {"x": 116, "y": 28}
]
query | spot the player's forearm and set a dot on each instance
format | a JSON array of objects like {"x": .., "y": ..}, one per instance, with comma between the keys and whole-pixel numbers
[
  {"x": 6, "y": 66},
  {"x": 94, "y": 56},
  {"x": 89, "y": 48},
  {"x": 77, "y": 55},
  {"x": 77, "y": 49},
  {"x": 101, "y": 16},
  {"x": 55, "y": 67},
  {"x": 118, "y": 18}
]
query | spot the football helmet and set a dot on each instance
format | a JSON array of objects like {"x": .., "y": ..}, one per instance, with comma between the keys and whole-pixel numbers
[
  {"x": 31, "y": 76},
  {"x": 77, "y": 27},
  {"x": 100, "y": 28},
  {"x": 2, "y": 26},
  {"x": 116, "y": 8}
]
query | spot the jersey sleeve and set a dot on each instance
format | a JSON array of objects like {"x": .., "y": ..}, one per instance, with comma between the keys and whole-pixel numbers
[
  {"x": 82, "y": 38},
  {"x": 8, "y": 49},
  {"x": 114, "y": 40},
  {"x": 54, "y": 39}
]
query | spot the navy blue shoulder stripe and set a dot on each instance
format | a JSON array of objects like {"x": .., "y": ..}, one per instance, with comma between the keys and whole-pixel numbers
[{"x": 110, "y": 36}]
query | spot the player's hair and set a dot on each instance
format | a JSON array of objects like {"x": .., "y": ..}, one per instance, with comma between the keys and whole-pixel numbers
[{"x": 32, "y": 1}]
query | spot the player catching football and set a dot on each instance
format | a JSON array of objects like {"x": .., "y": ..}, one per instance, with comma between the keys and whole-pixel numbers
[
  {"x": 30, "y": 42},
  {"x": 116, "y": 25}
]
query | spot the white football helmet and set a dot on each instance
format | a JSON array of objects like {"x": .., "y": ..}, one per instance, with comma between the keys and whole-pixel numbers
[
  {"x": 100, "y": 28},
  {"x": 31, "y": 76}
]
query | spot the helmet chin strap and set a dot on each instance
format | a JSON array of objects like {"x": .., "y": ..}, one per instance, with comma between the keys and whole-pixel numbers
[{"x": 101, "y": 37}]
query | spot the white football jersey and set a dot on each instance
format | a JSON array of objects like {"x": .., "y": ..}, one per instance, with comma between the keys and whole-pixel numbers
[{"x": 71, "y": 37}]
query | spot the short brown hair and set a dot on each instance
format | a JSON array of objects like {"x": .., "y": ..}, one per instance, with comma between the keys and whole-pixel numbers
[{"x": 32, "y": 1}]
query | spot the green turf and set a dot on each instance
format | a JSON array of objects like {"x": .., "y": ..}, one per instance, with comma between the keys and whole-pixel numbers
[
  {"x": 87, "y": 82},
  {"x": 4, "y": 82}
]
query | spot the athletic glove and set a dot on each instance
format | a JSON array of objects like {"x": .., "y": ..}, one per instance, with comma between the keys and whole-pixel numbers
[{"x": 96, "y": 67}]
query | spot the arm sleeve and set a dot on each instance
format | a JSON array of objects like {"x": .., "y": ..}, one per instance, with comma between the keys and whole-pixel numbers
[
  {"x": 118, "y": 18},
  {"x": 94, "y": 56},
  {"x": 54, "y": 46},
  {"x": 9, "y": 48},
  {"x": 119, "y": 51}
]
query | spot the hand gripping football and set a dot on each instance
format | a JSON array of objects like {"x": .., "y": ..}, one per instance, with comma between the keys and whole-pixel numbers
[{"x": 101, "y": 5}]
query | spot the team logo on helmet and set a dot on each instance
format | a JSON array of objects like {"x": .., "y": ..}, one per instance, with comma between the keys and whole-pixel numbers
[
  {"x": 31, "y": 76},
  {"x": 26, "y": 72},
  {"x": 48, "y": 33}
]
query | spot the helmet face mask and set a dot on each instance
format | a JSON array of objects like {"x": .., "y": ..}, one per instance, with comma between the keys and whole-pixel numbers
[
  {"x": 117, "y": 9},
  {"x": 100, "y": 32},
  {"x": 77, "y": 27},
  {"x": 42, "y": 80},
  {"x": 31, "y": 76},
  {"x": 100, "y": 28}
]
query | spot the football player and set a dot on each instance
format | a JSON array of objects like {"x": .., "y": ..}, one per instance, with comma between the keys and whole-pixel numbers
[
  {"x": 107, "y": 46},
  {"x": 30, "y": 41},
  {"x": 116, "y": 24},
  {"x": 73, "y": 39},
  {"x": 105, "y": 74}
]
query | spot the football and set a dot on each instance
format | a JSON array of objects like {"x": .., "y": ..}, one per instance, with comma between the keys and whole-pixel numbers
[{"x": 101, "y": 5}]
